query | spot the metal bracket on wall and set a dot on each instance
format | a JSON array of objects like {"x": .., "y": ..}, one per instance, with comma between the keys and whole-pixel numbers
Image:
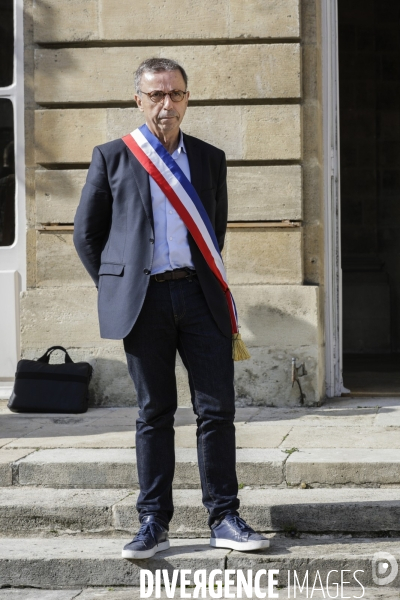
[{"x": 297, "y": 372}]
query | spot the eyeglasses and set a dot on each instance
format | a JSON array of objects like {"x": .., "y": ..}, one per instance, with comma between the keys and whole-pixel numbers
[{"x": 159, "y": 96}]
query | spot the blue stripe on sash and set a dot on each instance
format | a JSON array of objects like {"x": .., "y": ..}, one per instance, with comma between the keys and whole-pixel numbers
[{"x": 183, "y": 180}]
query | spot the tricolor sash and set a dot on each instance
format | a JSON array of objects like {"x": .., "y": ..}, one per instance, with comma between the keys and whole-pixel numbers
[{"x": 180, "y": 192}]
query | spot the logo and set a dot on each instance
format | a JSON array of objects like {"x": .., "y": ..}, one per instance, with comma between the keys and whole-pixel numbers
[{"x": 384, "y": 568}]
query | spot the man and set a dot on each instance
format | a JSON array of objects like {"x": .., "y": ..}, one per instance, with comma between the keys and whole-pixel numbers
[{"x": 158, "y": 293}]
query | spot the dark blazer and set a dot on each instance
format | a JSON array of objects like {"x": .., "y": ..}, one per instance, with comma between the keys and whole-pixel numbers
[{"x": 114, "y": 236}]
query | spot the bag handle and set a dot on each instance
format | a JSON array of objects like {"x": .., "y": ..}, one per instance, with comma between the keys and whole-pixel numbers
[{"x": 46, "y": 356}]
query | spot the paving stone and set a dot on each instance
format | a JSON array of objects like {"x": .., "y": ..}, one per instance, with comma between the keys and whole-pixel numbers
[
  {"x": 11, "y": 429},
  {"x": 261, "y": 436},
  {"x": 86, "y": 436},
  {"x": 343, "y": 437},
  {"x": 317, "y": 418},
  {"x": 388, "y": 416},
  {"x": 342, "y": 466}
]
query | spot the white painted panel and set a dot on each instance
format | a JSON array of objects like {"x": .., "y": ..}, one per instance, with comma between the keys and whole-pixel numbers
[{"x": 9, "y": 324}]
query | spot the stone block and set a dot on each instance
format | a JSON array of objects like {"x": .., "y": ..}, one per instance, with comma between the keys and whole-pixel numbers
[
  {"x": 126, "y": 20},
  {"x": 277, "y": 324},
  {"x": 75, "y": 20},
  {"x": 272, "y": 132},
  {"x": 57, "y": 195},
  {"x": 106, "y": 74},
  {"x": 261, "y": 132},
  {"x": 251, "y": 256},
  {"x": 264, "y": 256},
  {"x": 58, "y": 262},
  {"x": 68, "y": 136},
  {"x": 271, "y": 193}
]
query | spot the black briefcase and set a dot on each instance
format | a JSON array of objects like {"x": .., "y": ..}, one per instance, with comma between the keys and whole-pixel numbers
[{"x": 42, "y": 387}]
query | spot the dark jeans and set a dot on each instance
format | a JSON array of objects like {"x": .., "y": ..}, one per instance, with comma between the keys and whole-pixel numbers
[{"x": 175, "y": 316}]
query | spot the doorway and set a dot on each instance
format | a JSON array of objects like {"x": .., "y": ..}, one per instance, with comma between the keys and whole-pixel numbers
[{"x": 369, "y": 100}]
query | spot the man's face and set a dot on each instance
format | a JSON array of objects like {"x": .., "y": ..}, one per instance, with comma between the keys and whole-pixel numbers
[{"x": 162, "y": 117}]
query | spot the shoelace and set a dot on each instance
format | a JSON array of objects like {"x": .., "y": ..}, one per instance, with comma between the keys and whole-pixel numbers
[
  {"x": 148, "y": 529},
  {"x": 241, "y": 524}
]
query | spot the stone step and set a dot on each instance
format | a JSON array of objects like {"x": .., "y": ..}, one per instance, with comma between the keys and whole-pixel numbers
[
  {"x": 73, "y": 563},
  {"x": 116, "y": 467},
  {"x": 133, "y": 593},
  {"x": 112, "y": 512}
]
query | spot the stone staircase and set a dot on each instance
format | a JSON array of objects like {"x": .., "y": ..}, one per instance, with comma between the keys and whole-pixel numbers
[{"x": 323, "y": 484}]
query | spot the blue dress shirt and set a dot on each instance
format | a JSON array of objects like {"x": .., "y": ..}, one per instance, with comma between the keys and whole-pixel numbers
[{"x": 171, "y": 247}]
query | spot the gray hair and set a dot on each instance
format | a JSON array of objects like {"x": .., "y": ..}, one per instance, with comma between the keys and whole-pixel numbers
[{"x": 155, "y": 65}]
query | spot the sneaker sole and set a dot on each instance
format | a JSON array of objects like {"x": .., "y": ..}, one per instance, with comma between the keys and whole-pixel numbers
[
  {"x": 145, "y": 553},
  {"x": 240, "y": 546}
]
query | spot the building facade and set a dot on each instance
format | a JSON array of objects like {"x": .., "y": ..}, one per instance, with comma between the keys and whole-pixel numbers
[{"x": 262, "y": 83}]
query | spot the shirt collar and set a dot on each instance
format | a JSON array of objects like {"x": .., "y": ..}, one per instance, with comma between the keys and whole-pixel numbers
[{"x": 181, "y": 145}]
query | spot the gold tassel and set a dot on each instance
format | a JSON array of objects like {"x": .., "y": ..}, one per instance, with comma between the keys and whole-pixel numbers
[{"x": 239, "y": 350}]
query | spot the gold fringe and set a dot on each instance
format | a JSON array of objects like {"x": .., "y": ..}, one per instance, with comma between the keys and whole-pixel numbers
[{"x": 239, "y": 350}]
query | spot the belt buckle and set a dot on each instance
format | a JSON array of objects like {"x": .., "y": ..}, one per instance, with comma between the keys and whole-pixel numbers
[
  {"x": 190, "y": 274},
  {"x": 159, "y": 280}
]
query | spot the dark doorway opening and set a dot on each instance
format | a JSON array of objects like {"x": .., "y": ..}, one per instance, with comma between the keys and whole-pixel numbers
[{"x": 369, "y": 71}]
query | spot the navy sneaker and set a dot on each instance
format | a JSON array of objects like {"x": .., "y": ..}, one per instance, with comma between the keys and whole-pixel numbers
[
  {"x": 152, "y": 537},
  {"x": 234, "y": 533}
]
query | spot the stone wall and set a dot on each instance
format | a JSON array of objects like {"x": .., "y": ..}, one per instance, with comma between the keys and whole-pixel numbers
[{"x": 253, "y": 75}]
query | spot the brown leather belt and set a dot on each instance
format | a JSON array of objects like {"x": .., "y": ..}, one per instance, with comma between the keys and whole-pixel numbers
[{"x": 176, "y": 274}]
